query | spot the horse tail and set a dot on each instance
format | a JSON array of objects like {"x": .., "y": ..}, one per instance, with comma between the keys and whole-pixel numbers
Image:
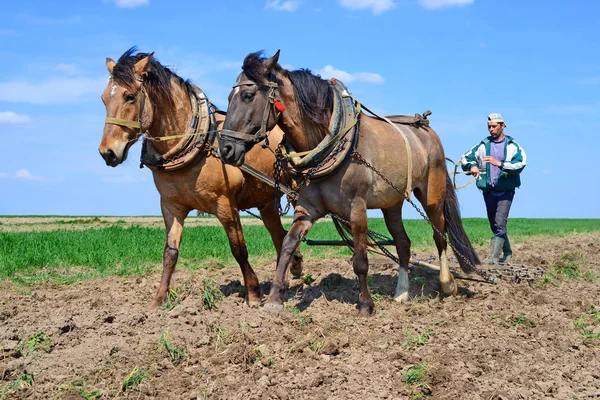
[{"x": 456, "y": 232}]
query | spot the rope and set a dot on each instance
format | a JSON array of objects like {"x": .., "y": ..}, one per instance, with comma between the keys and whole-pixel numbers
[{"x": 456, "y": 172}]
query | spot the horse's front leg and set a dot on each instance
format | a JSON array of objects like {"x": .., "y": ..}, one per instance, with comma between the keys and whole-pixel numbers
[
  {"x": 303, "y": 221},
  {"x": 228, "y": 215},
  {"x": 173, "y": 217},
  {"x": 272, "y": 222},
  {"x": 360, "y": 262}
]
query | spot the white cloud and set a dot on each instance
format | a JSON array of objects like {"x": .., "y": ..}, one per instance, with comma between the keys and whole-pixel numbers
[
  {"x": 435, "y": 4},
  {"x": 26, "y": 175},
  {"x": 131, "y": 3},
  {"x": 12, "y": 118},
  {"x": 330, "y": 72},
  {"x": 545, "y": 172},
  {"x": 69, "y": 69},
  {"x": 51, "y": 91},
  {"x": 119, "y": 179},
  {"x": 376, "y": 6},
  {"x": 285, "y": 5}
]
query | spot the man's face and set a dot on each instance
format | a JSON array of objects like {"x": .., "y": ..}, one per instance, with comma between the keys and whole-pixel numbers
[{"x": 496, "y": 129}]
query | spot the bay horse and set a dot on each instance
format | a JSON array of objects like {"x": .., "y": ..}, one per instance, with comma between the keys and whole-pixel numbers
[
  {"x": 144, "y": 96},
  {"x": 376, "y": 174}
]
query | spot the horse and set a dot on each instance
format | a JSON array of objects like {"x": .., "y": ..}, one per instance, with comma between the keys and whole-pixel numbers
[
  {"x": 142, "y": 95},
  {"x": 387, "y": 162}
]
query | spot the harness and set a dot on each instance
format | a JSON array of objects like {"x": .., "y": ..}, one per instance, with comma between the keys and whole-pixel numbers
[
  {"x": 273, "y": 99},
  {"x": 335, "y": 146},
  {"x": 200, "y": 131}
]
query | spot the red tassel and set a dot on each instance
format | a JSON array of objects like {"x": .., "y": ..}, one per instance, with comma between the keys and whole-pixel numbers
[
  {"x": 279, "y": 105},
  {"x": 333, "y": 80}
]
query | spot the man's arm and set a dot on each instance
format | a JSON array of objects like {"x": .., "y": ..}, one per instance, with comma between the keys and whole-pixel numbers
[{"x": 517, "y": 162}]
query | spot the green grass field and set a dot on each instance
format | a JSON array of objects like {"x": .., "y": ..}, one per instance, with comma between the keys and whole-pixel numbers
[{"x": 65, "y": 255}]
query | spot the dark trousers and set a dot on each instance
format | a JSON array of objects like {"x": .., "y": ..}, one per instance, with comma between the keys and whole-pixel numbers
[{"x": 497, "y": 211}]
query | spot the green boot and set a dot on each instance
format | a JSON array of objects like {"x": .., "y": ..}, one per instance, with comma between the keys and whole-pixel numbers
[
  {"x": 507, "y": 250},
  {"x": 495, "y": 251}
]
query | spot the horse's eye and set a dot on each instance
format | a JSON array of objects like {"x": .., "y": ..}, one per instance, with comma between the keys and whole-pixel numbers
[
  {"x": 130, "y": 98},
  {"x": 247, "y": 96}
]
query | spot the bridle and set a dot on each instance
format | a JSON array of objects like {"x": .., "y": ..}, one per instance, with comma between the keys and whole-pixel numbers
[
  {"x": 273, "y": 99},
  {"x": 127, "y": 122}
]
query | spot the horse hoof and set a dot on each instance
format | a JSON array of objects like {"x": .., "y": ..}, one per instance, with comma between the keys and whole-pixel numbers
[
  {"x": 401, "y": 298},
  {"x": 366, "y": 311},
  {"x": 450, "y": 288},
  {"x": 253, "y": 302},
  {"x": 273, "y": 307}
]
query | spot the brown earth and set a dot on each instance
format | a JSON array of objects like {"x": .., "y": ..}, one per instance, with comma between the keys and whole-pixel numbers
[{"x": 502, "y": 341}]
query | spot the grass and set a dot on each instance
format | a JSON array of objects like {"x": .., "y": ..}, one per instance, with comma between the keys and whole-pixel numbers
[
  {"x": 64, "y": 256},
  {"x": 585, "y": 324},
  {"x": 415, "y": 376},
  {"x": 176, "y": 355},
  {"x": 37, "y": 341},
  {"x": 23, "y": 380},
  {"x": 134, "y": 379},
  {"x": 520, "y": 320},
  {"x": 414, "y": 341},
  {"x": 79, "y": 385},
  {"x": 211, "y": 295}
]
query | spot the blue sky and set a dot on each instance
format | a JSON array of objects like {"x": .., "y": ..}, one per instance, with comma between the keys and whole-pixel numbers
[{"x": 535, "y": 62}]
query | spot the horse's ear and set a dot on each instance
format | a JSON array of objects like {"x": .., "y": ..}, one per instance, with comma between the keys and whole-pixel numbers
[
  {"x": 271, "y": 62},
  {"x": 141, "y": 67},
  {"x": 110, "y": 64}
]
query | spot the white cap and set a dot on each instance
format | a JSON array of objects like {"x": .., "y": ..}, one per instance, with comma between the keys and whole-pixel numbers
[{"x": 495, "y": 117}]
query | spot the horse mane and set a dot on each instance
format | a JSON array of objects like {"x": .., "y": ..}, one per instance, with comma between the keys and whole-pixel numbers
[
  {"x": 315, "y": 101},
  {"x": 313, "y": 93},
  {"x": 158, "y": 80}
]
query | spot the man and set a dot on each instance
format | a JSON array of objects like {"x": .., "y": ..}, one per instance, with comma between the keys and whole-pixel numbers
[{"x": 496, "y": 162}]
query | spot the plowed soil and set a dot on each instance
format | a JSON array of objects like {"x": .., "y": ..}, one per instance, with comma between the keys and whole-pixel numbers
[{"x": 527, "y": 340}]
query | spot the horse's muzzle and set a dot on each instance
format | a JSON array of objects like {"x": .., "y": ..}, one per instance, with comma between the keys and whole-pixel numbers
[{"x": 110, "y": 158}]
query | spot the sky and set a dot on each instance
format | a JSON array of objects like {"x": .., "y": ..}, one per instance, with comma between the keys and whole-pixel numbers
[{"x": 535, "y": 62}]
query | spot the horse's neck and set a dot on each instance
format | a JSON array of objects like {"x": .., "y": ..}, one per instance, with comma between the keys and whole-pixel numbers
[
  {"x": 299, "y": 130},
  {"x": 171, "y": 119}
]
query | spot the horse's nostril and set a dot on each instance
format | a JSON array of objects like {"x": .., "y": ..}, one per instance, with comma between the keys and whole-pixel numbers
[
  {"x": 109, "y": 156},
  {"x": 227, "y": 151}
]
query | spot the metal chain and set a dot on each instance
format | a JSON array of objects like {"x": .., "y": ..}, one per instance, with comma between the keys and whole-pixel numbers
[
  {"x": 359, "y": 158},
  {"x": 277, "y": 173}
]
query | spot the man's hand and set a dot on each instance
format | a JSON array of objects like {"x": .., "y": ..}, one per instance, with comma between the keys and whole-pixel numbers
[
  {"x": 475, "y": 171},
  {"x": 492, "y": 161}
]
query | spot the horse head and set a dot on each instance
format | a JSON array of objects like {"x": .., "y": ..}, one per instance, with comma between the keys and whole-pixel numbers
[
  {"x": 253, "y": 110},
  {"x": 128, "y": 114}
]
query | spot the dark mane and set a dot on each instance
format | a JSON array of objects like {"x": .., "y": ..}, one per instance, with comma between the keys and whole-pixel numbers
[
  {"x": 158, "y": 81},
  {"x": 315, "y": 100},
  {"x": 253, "y": 67}
]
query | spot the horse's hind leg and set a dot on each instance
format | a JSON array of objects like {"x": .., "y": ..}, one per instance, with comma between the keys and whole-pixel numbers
[
  {"x": 229, "y": 217},
  {"x": 272, "y": 222},
  {"x": 173, "y": 217},
  {"x": 433, "y": 203},
  {"x": 360, "y": 262},
  {"x": 393, "y": 221}
]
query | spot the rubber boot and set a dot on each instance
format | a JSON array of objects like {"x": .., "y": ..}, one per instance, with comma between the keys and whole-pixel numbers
[
  {"x": 495, "y": 251},
  {"x": 507, "y": 250}
]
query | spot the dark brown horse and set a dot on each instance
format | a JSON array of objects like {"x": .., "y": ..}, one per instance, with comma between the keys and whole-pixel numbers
[
  {"x": 301, "y": 104},
  {"x": 144, "y": 96}
]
